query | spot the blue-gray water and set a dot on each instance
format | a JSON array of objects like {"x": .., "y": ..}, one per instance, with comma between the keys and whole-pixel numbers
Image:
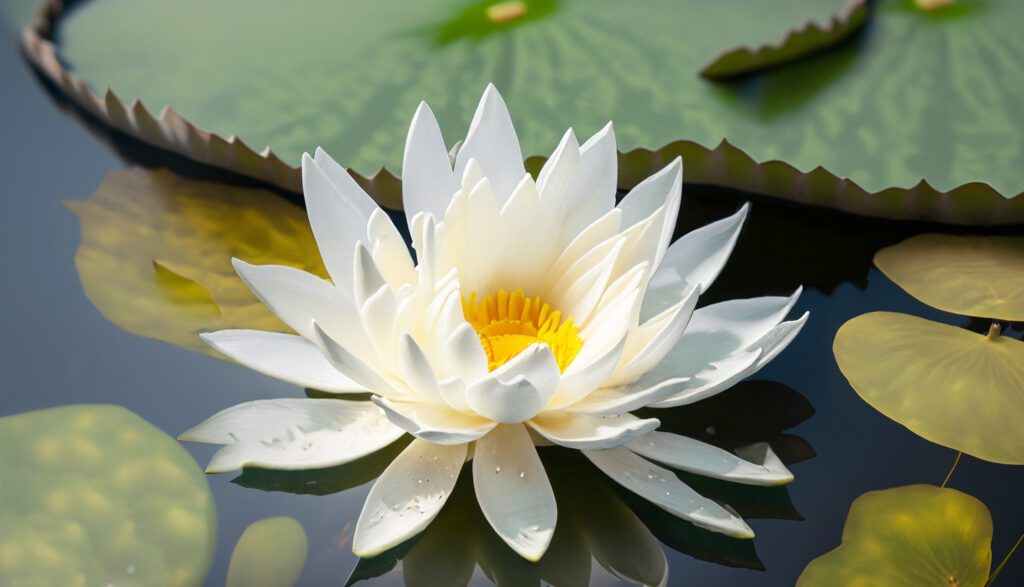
[{"x": 57, "y": 349}]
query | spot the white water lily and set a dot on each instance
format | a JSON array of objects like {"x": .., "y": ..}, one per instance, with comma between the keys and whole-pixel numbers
[{"x": 537, "y": 312}]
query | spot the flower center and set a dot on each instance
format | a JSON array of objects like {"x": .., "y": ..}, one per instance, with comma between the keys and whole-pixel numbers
[{"x": 508, "y": 323}]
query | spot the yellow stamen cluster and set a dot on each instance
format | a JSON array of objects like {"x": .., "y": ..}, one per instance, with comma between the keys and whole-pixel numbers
[{"x": 508, "y": 323}]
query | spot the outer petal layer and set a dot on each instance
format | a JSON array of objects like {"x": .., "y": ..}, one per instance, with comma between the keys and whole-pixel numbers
[
  {"x": 407, "y": 496},
  {"x": 665, "y": 490},
  {"x": 513, "y": 490},
  {"x": 287, "y": 357},
  {"x": 294, "y": 434},
  {"x": 694, "y": 456}
]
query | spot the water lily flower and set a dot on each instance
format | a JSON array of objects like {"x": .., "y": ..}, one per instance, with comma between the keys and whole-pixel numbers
[{"x": 536, "y": 312}]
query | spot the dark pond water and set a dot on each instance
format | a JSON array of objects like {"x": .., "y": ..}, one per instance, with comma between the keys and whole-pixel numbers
[{"x": 58, "y": 349}]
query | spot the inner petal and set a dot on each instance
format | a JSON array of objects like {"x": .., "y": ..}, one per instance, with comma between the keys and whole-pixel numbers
[{"x": 508, "y": 323}]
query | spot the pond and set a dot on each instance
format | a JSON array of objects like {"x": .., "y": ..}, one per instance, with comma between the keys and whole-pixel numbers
[{"x": 59, "y": 350}]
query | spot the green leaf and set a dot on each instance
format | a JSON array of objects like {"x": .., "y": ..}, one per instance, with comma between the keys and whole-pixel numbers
[
  {"x": 920, "y": 113},
  {"x": 94, "y": 495},
  {"x": 949, "y": 385},
  {"x": 270, "y": 553},
  {"x": 970, "y": 275},
  {"x": 909, "y": 537}
]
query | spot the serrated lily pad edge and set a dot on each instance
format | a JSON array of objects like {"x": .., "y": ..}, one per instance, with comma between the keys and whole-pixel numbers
[
  {"x": 796, "y": 43},
  {"x": 970, "y": 204}
]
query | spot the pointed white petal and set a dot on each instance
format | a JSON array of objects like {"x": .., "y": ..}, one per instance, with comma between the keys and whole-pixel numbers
[
  {"x": 517, "y": 390},
  {"x": 464, "y": 355},
  {"x": 652, "y": 193},
  {"x": 298, "y": 298},
  {"x": 662, "y": 488},
  {"x": 437, "y": 423},
  {"x": 695, "y": 259},
  {"x": 493, "y": 142},
  {"x": 513, "y": 490},
  {"x": 407, "y": 496},
  {"x": 294, "y": 434},
  {"x": 366, "y": 278},
  {"x": 414, "y": 366},
  {"x": 597, "y": 232},
  {"x": 350, "y": 365},
  {"x": 428, "y": 181},
  {"x": 648, "y": 344},
  {"x": 389, "y": 251},
  {"x": 592, "y": 192},
  {"x": 585, "y": 375},
  {"x": 559, "y": 170},
  {"x": 282, "y": 356},
  {"x": 338, "y": 211},
  {"x": 585, "y": 432},
  {"x": 694, "y": 456}
]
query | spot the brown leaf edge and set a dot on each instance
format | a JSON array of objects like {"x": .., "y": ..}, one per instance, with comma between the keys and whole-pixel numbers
[
  {"x": 970, "y": 204},
  {"x": 798, "y": 42}
]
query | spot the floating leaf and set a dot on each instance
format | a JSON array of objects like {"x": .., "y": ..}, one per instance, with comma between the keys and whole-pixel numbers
[
  {"x": 909, "y": 537},
  {"x": 867, "y": 128},
  {"x": 798, "y": 42},
  {"x": 156, "y": 252},
  {"x": 270, "y": 553},
  {"x": 949, "y": 385},
  {"x": 94, "y": 495},
  {"x": 969, "y": 275}
]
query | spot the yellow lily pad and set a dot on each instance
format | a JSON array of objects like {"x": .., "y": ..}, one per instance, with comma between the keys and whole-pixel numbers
[
  {"x": 94, "y": 495},
  {"x": 270, "y": 553},
  {"x": 909, "y": 537},
  {"x": 951, "y": 386},
  {"x": 970, "y": 275},
  {"x": 155, "y": 256}
]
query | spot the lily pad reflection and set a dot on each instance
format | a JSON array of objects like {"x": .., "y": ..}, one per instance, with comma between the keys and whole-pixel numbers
[
  {"x": 155, "y": 256},
  {"x": 94, "y": 495},
  {"x": 908, "y": 537},
  {"x": 951, "y": 386}
]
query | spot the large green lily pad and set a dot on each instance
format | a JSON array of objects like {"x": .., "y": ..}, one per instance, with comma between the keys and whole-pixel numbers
[
  {"x": 909, "y": 537},
  {"x": 921, "y": 113},
  {"x": 156, "y": 252},
  {"x": 270, "y": 553},
  {"x": 949, "y": 385},
  {"x": 94, "y": 495}
]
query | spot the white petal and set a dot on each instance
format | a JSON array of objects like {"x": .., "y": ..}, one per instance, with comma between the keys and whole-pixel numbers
[
  {"x": 414, "y": 366},
  {"x": 722, "y": 344},
  {"x": 585, "y": 375},
  {"x": 464, "y": 355},
  {"x": 390, "y": 253},
  {"x": 294, "y": 434},
  {"x": 282, "y": 356},
  {"x": 298, "y": 298},
  {"x": 648, "y": 344},
  {"x": 513, "y": 490},
  {"x": 592, "y": 193},
  {"x": 366, "y": 278},
  {"x": 338, "y": 211},
  {"x": 437, "y": 423},
  {"x": 350, "y": 365},
  {"x": 559, "y": 170},
  {"x": 695, "y": 259},
  {"x": 694, "y": 456},
  {"x": 407, "y": 496},
  {"x": 585, "y": 432},
  {"x": 428, "y": 181},
  {"x": 492, "y": 141},
  {"x": 662, "y": 488},
  {"x": 526, "y": 253},
  {"x": 652, "y": 193},
  {"x": 517, "y": 390},
  {"x": 599, "y": 231}
]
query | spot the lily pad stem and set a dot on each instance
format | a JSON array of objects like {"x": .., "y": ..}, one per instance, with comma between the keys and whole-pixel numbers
[
  {"x": 995, "y": 573},
  {"x": 994, "y": 330},
  {"x": 953, "y": 468}
]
